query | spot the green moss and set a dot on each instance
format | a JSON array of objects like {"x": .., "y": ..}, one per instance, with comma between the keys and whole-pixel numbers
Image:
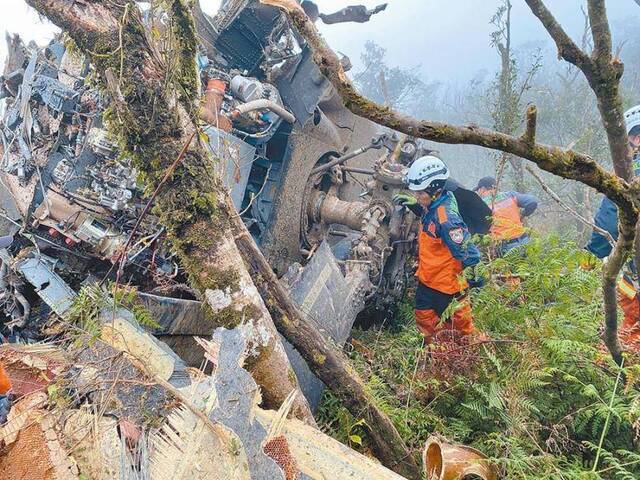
[
  {"x": 319, "y": 358},
  {"x": 229, "y": 317},
  {"x": 147, "y": 128}
]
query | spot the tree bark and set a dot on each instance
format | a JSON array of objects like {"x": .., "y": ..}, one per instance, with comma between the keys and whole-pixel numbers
[{"x": 153, "y": 115}]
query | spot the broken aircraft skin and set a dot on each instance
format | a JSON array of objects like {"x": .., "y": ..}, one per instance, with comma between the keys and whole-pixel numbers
[{"x": 312, "y": 182}]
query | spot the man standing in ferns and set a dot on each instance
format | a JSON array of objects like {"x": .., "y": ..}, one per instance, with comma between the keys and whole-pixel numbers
[
  {"x": 509, "y": 208},
  {"x": 607, "y": 219},
  {"x": 444, "y": 250}
]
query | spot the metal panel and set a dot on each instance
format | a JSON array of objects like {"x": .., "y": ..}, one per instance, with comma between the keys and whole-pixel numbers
[
  {"x": 320, "y": 291},
  {"x": 236, "y": 158},
  {"x": 38, "y": 271}
]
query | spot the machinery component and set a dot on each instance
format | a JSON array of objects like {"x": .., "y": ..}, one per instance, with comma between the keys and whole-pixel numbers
[
  {"x": 265, "y": 104},
  {"x": 54, "y": 94},
  {"x": 250, "y": 89},
  {"x": 99, "y": 142},
  {"x": 330, "y": 209},
  {"x": 445, "y": 461},
  {"x": 376, "y": 143},
  {"x": 113, "y": 183},
  {"x": 105, "y": 240},
  {"x": 13, "y": 302},
  {"x": 211, "y": 111},
  {"x": 63, "y": 172},
  {"x": 352, "y": 13}
]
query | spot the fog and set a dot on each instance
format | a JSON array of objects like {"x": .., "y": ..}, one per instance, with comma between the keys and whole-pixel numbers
[{"x": 449, "y": 39}]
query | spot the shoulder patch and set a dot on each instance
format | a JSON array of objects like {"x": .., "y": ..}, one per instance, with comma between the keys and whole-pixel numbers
[{"x": 457, "y": 235}]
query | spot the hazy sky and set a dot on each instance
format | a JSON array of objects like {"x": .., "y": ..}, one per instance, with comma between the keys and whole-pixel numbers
[{"x": 448, "y": 38}]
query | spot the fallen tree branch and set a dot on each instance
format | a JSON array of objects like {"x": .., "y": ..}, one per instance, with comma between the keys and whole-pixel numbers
[{"x": 326, "y": 360}]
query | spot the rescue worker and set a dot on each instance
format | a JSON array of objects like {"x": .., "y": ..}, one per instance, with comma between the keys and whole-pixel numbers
[
  {"x": 5, "y": 395},
  {"x": 607, "y": 219},
  {"x": 444, "y": 250},
  {"x": 509, "y": 208}
]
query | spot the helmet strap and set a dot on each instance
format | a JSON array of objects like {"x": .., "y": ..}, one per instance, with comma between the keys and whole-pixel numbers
[{"x": 435, "y": 195}]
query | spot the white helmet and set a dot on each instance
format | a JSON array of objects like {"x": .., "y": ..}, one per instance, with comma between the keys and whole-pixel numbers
[
  {"x": 427, "y": 172},
  {"x": 632, "y": 118}
]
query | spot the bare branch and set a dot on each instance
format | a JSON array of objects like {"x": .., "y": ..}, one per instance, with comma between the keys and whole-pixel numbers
[
  {"x": 600, "y": 31},
  {"x": 601, "y": 71},
  {"x": 564, "y": 205},
  {"x": 529, "y": 135},
  {"x": 567, "y": 48}
]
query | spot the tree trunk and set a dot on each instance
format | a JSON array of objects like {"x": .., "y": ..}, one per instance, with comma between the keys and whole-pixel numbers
[
  {"x": 154, "y": 120},
  {"x": 327, "y": 361}
]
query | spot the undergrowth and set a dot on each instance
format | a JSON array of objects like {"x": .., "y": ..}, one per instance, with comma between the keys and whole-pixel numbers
[
  {"x": 92, "y": 299},
  {"x": 535, "y": 398}
]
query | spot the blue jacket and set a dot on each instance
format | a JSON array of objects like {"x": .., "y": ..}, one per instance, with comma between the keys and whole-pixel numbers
[
  {"x": 607, "y": 219},
  {"x": 452, "y": 230},
  {"x": 528, "y": 203}
]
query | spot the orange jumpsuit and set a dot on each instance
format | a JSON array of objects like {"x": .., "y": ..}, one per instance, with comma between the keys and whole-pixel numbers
[
  {"x": 5, "y": 383},
  {"x": 508, "y": 208},
  {"x": 630, "y": 305},
  {"x": 444, "y": 251}
]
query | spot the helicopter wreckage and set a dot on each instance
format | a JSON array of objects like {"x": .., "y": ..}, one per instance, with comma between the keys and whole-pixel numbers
[{"x": 312, "y": 182}]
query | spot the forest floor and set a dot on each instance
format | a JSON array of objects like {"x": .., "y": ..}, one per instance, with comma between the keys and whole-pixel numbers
[{"x": 541, "y": 397}]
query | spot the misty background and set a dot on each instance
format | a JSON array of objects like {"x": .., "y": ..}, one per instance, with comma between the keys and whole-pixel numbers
[{"x": 440, "y": 62}]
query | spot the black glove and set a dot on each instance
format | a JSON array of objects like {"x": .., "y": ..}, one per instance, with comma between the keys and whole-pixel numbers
[
  {"x": 474, "y": 278},
  {"x": 477, "y": 282}
]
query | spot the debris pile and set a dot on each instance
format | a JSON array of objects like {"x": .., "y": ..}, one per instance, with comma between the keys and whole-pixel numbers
[{"x": 106, "y": 412}]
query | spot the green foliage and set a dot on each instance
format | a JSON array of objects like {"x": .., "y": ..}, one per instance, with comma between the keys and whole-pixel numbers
[
  {"x": 92, "y": 299},
  {"x": 535, "y": 398}
]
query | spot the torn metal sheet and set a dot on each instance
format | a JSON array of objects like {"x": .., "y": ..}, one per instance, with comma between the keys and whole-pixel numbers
[
  {"x": 237, "y": 397},
  {"x": 235, "y": 162},
  {"x": 331, "y": 303},
  {"x": 177, "y": 316},
  {"x": 38, "y": 271}
]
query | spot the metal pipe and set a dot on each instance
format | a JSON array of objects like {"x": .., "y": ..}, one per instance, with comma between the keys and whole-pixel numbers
[
  {"x": 330, "y": 209},
  {"x": 210, "y": 112},
  {"x": 265, "y": 103},
  {"x": 342, "y": 159},
  {"x": 365, "y": 171}
]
